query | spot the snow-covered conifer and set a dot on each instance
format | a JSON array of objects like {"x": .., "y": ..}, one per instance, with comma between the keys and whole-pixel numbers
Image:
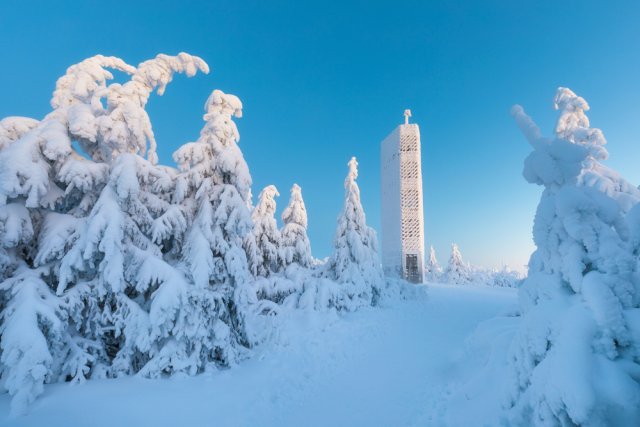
[
  {"x": 504, "y": 278},
  {"x": 581, "y": 299},
  {"x": 215, "y": 183},
  {"x": 215, "y": 187},
  {"x": 295, "y": 246},
  {"x": 31, "y": 331},
  {"x": 355, "y": 263},
  {"x": 266, "y": 233},
  {"x": 114, "y": 267},
  {"x": 82, "y": 228},
  {"x": 294, "y": 254},
  {"x": 457, "y": 272},
  {"x": 45, "y": 187},
  {"x": 41, "y": 179},
  {"x": 433, "y": 270},
  {"x": 120, "y": 233}
]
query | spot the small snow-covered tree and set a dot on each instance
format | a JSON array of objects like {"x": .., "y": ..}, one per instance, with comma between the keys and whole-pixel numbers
[
  {"x": 433, "y": 271},
  {"x": 293, "y": 257},
  {"x": 355, "y": 263},
  {"x": 504, "y": 278},
  {"x": 295, "y": 247},
  {"x": 266, "y": 233},
  {"x": 576, "y": 356},
  {"x": 457, "y": 272}
]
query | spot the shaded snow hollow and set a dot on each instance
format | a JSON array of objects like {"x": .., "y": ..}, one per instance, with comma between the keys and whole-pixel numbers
[{"x": 411, "y": 362}]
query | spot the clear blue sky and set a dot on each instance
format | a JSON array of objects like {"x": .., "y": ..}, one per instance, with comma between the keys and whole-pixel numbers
[{"x": 322, "y": 81}]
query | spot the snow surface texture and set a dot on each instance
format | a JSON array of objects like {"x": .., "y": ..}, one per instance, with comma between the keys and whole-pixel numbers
[
  {"x": 575, "y": 359},
  {"x": 403, "y": 364},
  {"x": 113, "y": 265}
]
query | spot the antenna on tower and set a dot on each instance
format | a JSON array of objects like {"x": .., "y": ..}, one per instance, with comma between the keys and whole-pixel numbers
[{"x": 407, "y": 114}]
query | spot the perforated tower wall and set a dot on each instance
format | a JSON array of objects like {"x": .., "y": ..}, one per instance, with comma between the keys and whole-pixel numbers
[{"x": 402, "y": 211}]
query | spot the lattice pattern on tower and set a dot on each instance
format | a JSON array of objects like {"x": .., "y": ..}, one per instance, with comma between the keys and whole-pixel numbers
[
  {"x": 402, "y": 213},
  {"x": 410, "y": 194}
]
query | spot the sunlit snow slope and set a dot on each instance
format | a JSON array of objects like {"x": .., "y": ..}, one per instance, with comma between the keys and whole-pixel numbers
[{"x": 410, "y": 363}]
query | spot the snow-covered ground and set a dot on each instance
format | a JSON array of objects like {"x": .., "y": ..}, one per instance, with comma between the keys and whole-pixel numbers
[{"x": 403, "y": 364}]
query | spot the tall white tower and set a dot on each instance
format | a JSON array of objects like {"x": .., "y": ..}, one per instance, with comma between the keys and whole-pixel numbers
[{"x": 402, "y": 211}]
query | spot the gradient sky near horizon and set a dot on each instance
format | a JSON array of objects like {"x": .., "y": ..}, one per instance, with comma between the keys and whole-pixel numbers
[{"x": 324, "y": 80}]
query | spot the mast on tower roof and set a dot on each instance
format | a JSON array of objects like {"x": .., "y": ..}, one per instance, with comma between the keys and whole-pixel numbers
[{"x": 407, "y": 114}]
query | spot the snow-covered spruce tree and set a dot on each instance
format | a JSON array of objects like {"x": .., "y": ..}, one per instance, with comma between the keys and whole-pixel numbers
[
  {"x": 42, "y": 187},
  {"x": 433, "y": 270},
  {"x": 84, "y": 229},
  {"x": 114, "y": 276},
  {"x": 31, "y": 329},
  {"x": 293, "y": 258},
  {"x": 215, "y": 187},
  {"x": 576, "y": 356},
  {"x": 266, "y": 234},
  {"x": 295, "y": 246},
  {"x": 504, "y": 278},
  {"x": 457, "y": 272},
  {"x": 355, "y": 264},
  {"x": 114, "y": 272}
]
